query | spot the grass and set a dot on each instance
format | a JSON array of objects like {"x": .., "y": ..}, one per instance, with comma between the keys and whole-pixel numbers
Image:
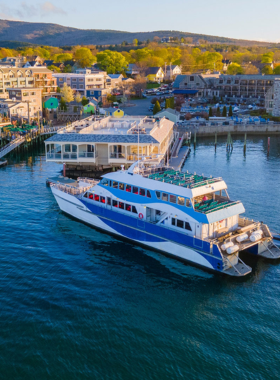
[{"x": 152, "y": 85}]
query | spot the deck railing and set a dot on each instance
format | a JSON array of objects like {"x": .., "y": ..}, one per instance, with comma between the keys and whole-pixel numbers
[{"x": 73, "y": 190}]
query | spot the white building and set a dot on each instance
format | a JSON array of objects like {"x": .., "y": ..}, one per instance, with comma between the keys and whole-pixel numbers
[{"x": 111, "y": 141}]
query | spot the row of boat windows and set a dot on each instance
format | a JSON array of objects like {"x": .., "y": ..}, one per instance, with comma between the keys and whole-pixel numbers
[
  {"x": 181, "y": 224},
  {"x": 117, "y": 204},
  {"x": 181, "y": 201}
]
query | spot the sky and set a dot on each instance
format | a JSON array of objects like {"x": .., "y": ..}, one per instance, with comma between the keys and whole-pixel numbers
[{"x": 244, "y": 19}]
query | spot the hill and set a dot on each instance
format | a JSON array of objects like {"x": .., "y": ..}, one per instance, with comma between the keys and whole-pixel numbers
[{"x": 58, "y": 35}]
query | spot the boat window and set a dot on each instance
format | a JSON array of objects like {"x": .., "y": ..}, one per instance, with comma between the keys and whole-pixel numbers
[
  {"x": 86, "y": 195},
  {"x": 115, "y": 184},
  {"x": 173, "y": 222},
  {"x": 128, "y": 188},
  {"x": 90, "y": 196},
  {"x": 134, "y": 209},
  {"x": 181, "y": 201},
  {"x": 180, "y": 223},
  {"x": 102, "y": 199},
  {"x": 128, "y": 207},
  {"x": 187, "y": 226},
  {"x": 142, "y": 192},
  {"x": 121, "y": 186},
  {"x": 164, "y": 197},
  {"x": 188, "y": 203},
  {"x": 115, "y": 203},
  {"x": 104, "y": 182},
  {"x": 96, "y": 198},
  {"x": 135, "y": 190},
  {"x": 108, "y": 201},
  {"x": 158, "y": 194},
  {"x": 149, "y": 194},
  {"x": 172, "y": 198},
  {"x": 121, "y": 205}
]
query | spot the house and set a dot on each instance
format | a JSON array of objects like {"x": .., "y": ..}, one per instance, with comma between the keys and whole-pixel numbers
[
  {"x": 32, "y": 64},
  {"x": 169, "y": 114},
  {"x": 111, "y": 141},
  {"x": 51, "y": 103},
  {"x": 90, "y": 108},
  {"x": 132, "y": 69},
  {"x": 171, "y": 71},
  {"x": 166, "y": 39},
  {"x": 114, "y": 80},
  {"x": 226, "y": 63},
  {"x": 154, "y": 74},
  {"x": 13, "y": 61}
]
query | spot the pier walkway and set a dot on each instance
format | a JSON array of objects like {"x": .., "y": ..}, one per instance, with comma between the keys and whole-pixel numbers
[
  {"x": 11, "y": 146},
  {"x": 178, "y": 162}
]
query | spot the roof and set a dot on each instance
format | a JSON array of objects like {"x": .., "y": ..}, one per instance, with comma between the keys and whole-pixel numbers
[
  {"x": 95, "y": 138},
  {"x": 178, "y": 80},
  {"x": 170, "y": 110},
  {"x": 152, "y": 70},
  {"x": 114, "y": 76},
  {"x": 185, "y": 92}
]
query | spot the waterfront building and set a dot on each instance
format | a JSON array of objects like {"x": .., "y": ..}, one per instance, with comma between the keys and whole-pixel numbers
[
  {"x": 272, "y": 99},
  {"x": 37, "y": 77},
  {"x": 111, "y": 141}
]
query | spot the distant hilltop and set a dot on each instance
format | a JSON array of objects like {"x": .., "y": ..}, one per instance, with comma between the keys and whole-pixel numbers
[{"x": 58, "y": 35}]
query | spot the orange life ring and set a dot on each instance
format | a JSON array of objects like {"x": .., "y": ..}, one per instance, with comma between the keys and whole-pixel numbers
[{"x": 141, "y": 216}]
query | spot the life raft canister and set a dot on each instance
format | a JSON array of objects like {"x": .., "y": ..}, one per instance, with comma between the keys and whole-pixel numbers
[{"x": 141, "y": 216}]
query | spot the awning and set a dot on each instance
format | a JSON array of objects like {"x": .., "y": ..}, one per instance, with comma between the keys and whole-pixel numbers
[{"x": 185, "y": 92}]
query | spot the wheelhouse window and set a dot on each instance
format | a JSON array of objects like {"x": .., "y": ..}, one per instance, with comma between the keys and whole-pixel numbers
[
  {"x": 164, "y": 197},
  {"x": 121, "y": 205},
  {"x": 115, "y": 203},
  {"x": 142, "y": 192},
  {"x": 104, "y": 182},
  {"x": 108, "y": 201},
  {"x": 180, "y": 223},
  {"x": 188, "y": 203},
  {"x": 86, "y": 195},
  {"x": 90, "y": 196},
  {"x": 172, "y": 198},
  {"x": 187, "y": 226},
  {"x": 115, "y": 184},
  {"x": 135, "y": 190},
  {"x": 158, "y": 194},
  {"x": 96, "y": 198},
  {"x": 134, "y": 210},
  {"x": 102, "y": 199},
  {"x": 128, "y": 207},
  {"x": 121, "y": 186},
  {"x": 128, "y": 188},
  {"x": 149, "y": 194}
]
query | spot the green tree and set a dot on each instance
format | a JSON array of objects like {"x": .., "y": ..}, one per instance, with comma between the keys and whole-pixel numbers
[
  {"x": 230, "y": 114},
  {"x": 267, "y": 70},
  {"x": 111, "y": 61},
  {"x": 171, "y": 102},
  {"x": 67, "y": 93},
  {"x": 62, "y": 57},
  {"x": 234, "y": 69},
  {"x": 268, "y": 57},
  {"x": 224, "y": 111},
  {"x": 135, "y": 42},
  {"x": 54, "y": 68},
  {"x": 218, "y": 112},
  {"x": 111, "y": 98},
  {"x": 63, "y": 106},
  {"x": 84, "y": 57},
  {"x": 276, "y": 71},
  {"x": 78, "y": 98},
  {"x": 67, "y": 69},
  {"x": 84, "y": 101},
  {"x": 156, "y": 108},
  {"x": 210, "y": 112},
  {"x": 167, "y": 103}
]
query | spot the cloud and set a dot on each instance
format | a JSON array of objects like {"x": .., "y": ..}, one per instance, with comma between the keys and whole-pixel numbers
[{"x": 26, "y": 11}]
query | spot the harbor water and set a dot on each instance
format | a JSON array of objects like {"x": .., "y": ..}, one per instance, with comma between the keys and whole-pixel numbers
[{"x": 77, "y": 303}]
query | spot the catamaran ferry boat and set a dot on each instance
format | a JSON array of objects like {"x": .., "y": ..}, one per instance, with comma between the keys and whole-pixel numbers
[{"x": 187, "y": 216}]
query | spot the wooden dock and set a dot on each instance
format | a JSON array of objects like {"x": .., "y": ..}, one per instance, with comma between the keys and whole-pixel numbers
[{"x": 178, "y": 162}]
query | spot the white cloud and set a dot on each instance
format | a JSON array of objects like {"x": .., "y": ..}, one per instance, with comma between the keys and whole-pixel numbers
[
  {"x": 48, "y": 7},
  {"x": 25, "y": 11}
]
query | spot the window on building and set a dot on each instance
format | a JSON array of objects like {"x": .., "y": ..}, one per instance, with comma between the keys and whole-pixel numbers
[
  {"x": 135, "y": 190},
  {"x": 128, "y": 188},
  {"x": 108, "y": 201},
  {"x": 115, "y": 184},
  {"x": 181, "y": 201},
  {"x": 115, "y": 203},
  {"x": 81, "y": 86},
  {"x": 142, "y": 192},
  {"x": 67, "y": 148},
  {"x": 81, "y": 80},
  {"x": 164, "y": 197},
  {"x": 134, "y": 210},
  {"x": 74, "y": 86},
  {"x": 149, "y": 194},
  {"x": 191, "y": 79},
  {"x": 121, "y": 205},
  {"x": 74, "y": 80},
  {"x": 60, "y": 79},
  {"x": 121, "y": 186},
  {"x": 172, "y": 198}
]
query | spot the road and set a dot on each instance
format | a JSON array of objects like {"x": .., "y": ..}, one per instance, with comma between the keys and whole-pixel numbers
[{"x": 141, "y": 107}]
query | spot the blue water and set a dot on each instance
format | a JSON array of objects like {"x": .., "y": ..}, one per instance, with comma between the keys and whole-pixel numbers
[{"x": 79, "y": 304}]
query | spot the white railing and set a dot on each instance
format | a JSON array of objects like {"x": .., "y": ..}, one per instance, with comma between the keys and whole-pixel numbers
[
  {"x": 12, "y": 145},
  {"x": 73, "y": 190}
]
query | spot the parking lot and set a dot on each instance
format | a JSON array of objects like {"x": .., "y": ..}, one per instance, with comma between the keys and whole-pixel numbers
[{"x": 141, "y": 107}]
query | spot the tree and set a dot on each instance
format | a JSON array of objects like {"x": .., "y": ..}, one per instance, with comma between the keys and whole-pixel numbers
[
  {"x": 182, "y": 40},
  {"x": 139, "y": 85},
  {"x": 78, "y": 98},
  {"x": 234, "y": 69},
  {"x": 63, "y": 106},
  {"x": 84, "y": 57},
  {"x": 67, "y": 93},
  {"x": 210, "y": 112},
  {"x": 62, "y": 57},
  {"x": 54, "y": 68},
  {"x": 276, "y": 71},
  {"x": 171, "y": 102},
  {"x": 111, "y": 61},
  {"x": 167, "y": 103},
  {"x": 67, "y": 69},
  {"x": 251, "y": 69},
  {"x": 230, "y": 111},
  {"x": 268, "y": 57},
  {"x": 156, "y": 108},
  {"x": 218, "y": 112},
  {"x": 224, "y": 111},
  {"x": 84, "y": 101},
  {"x": 135, "y": 42},
  {"x": 111, "y": 98},
  {"x": 267, "y": 70}
]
